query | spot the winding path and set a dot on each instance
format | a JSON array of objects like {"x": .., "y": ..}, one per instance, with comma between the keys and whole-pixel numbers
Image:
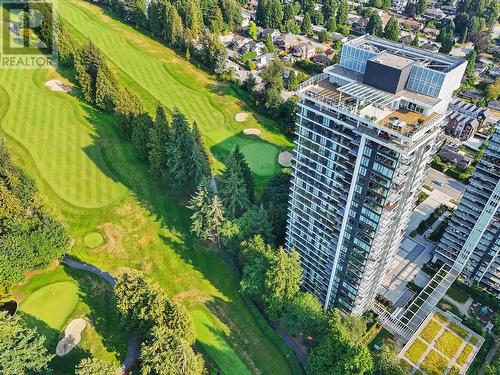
[{"x": 133, "y": 340}]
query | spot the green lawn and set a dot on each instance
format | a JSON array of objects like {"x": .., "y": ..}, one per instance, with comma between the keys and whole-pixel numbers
[
  {"x": 51, "y": 299},
  {"x": 94, "y": 183},
  {"x": 156, "y": 73}
]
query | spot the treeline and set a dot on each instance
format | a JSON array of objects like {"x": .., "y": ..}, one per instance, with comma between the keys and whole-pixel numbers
[
  {"x": 30, "y": 237},
  {"x": 282, "y": 15}
]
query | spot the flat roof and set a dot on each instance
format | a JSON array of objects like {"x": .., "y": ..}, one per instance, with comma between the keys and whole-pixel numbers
[
  {"x": 392, "y": 60},
  {"x": 432, "y": 60}
]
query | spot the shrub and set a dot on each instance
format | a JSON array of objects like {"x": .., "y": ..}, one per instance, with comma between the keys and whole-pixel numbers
[{"x": 434, "y": 364}]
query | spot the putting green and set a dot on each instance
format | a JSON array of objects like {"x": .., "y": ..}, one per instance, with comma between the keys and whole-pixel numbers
[
  {"x": 93, "y": 239},
  {"x": 52, "y": 304},
  {"x": 262, "y": 158}
]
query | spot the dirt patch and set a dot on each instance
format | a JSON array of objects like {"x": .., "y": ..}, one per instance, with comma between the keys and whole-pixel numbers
[
  {"x": 59, "y": 86},
  {"x": 114, "y": 240},
  {"x": 72, "y": 336},
  {"x": 252, "y": 131},
  {"x": 285, "y": 159},
  {"x": 241, "y": 117}
]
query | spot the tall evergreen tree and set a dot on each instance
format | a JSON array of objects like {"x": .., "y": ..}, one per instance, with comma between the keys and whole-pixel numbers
[
  {"x": 95, "y": 366},
  {"x": 374, "y": 26},
  {"x": 200, "y": 157},
  {"x": 159, "y": 139},
  {"x": 141, "y": 128},
  {"x": 246, "y": 172},
  {"x": 329, "y": 8},
  {"x": 233, "y": 188},
  {"x": 391, "y": 30},
  {"x": 342, "y": 13},
  {"x": 255, "y": 222},
  {"x": 173, "y": 29},
  {"x": 306, "y": 27},
  {"x": 180, "y": 150},
  {"x": 200, "y": 205},
  {"x": 215, "y": 221}
]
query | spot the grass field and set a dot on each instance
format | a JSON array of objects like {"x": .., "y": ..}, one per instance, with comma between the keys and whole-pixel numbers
[
  {"x": 51, "y": 299},
  {"x": 91, "y": 179},
  {"x": 156, "y": 73}
]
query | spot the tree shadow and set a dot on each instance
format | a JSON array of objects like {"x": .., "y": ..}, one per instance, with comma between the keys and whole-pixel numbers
[
  {"x": 60, "y": 365},
  {"x": 99, "y": 296}
]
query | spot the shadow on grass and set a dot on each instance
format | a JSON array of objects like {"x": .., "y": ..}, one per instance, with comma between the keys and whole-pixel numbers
[
  {"x": 100, "y": 297},
  {"x": 60, "y": 365}
]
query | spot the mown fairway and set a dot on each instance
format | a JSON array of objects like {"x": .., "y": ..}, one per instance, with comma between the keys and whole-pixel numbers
[
  {"x": 95, "y": 184},
  {"x": 156, "y": 73}
]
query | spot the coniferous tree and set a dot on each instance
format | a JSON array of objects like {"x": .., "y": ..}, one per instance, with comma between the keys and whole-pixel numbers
[
  {"x": 128, "y": 107},
  {"x": 342, "y": 13},
  {"x": 329, "y": 8},
  {"x": 375, "y": 26},
  {"x": 200, "y": 157},
  {"x": 95, "y": 366},
  {"x": 391, "y": 30},
  {"x": 180, "y": 150},
  {"x": 252, "y": 30},
  {"x": 141, "y": 128},
  {"x": 200, "y": 205},
  {"x": 233, "y": 189},
  {"x": 168, "y": 354},
  {"x": 246, "y": 172},
  {"x": 331, "y": 24},
  {"x": 255, "y": 221},
  {"x": 306, "y": 27},
  {"x": 173, "y": 30},
  {"x": 22, "y": 350},
  {"x": 159, "y": 138},
  {"x": 215, "y": 221}
]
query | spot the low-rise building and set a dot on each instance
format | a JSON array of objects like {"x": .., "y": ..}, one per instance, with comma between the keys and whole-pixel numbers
[
  {"x": 286, "y": 41},
  {"x": 457, "y": 159},
  {"x": 269, "y": 31},
  {"x": 464, "y": 119},
  {"x": 303, "y": 51}
]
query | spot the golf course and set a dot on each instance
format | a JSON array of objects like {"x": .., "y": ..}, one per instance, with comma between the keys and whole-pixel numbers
[{"x": 118, "y": 215}]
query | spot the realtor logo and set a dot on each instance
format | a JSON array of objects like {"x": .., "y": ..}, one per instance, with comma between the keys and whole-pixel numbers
[{"x": 28, "y": 35}]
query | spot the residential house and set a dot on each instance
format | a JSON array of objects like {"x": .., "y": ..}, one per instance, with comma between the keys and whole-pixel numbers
[
  {"x": 262, "y": 60},
  {"x": 406, "y": 39},
  {"x": 494, "y": 72},
  {"x": 494, "y": 105},
  {"x": 410, "y": 23},
  {"x": 238, "y": 42},
  {"x": 338, "y": 37},
  {"x": 286, "y": 42},
  {"x": 430, "y": 47},
  {"x": 399, "y": 4},
  {"x": 303, "y": 51},
  {"x": 321, "y": 59},
  {"x": 434, "y": 13},
  {"x": 269, "y": 31},
  {"x": 448, "y": 9},
  {"x": 480, "y": 68},
  {"x": 471, "y": 94},
  {"x": 457, "y": 159},
  {"x": 251, "y": 46},
  {"x": 360, "y": 25}
]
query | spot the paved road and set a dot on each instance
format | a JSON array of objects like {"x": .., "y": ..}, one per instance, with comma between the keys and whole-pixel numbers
[
  {"x": 450, "y": 186},
  {"x": 133, "y": 340}
]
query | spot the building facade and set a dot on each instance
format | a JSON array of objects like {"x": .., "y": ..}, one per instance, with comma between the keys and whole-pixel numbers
[
  {"x": 479, "y": 204},
  {"x": 366, "y": 132}
]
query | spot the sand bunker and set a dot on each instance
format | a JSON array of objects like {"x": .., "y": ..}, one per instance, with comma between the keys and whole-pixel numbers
[
  {"x": 285, "y": 158},
  {"x": 242, "y": 116},
  {"x": 72, "y": 337},
  {"x": 56, "y": 85},
  {"x": 252, "y": 131}
]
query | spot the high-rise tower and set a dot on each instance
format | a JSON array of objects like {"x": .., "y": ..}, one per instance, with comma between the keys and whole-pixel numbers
[{"x": 366, "y": 131}]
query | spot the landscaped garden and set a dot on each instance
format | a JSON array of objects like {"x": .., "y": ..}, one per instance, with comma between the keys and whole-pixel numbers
[
  {"x": 118, "y": 215},
  {"x": 441, "y": 344}
]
